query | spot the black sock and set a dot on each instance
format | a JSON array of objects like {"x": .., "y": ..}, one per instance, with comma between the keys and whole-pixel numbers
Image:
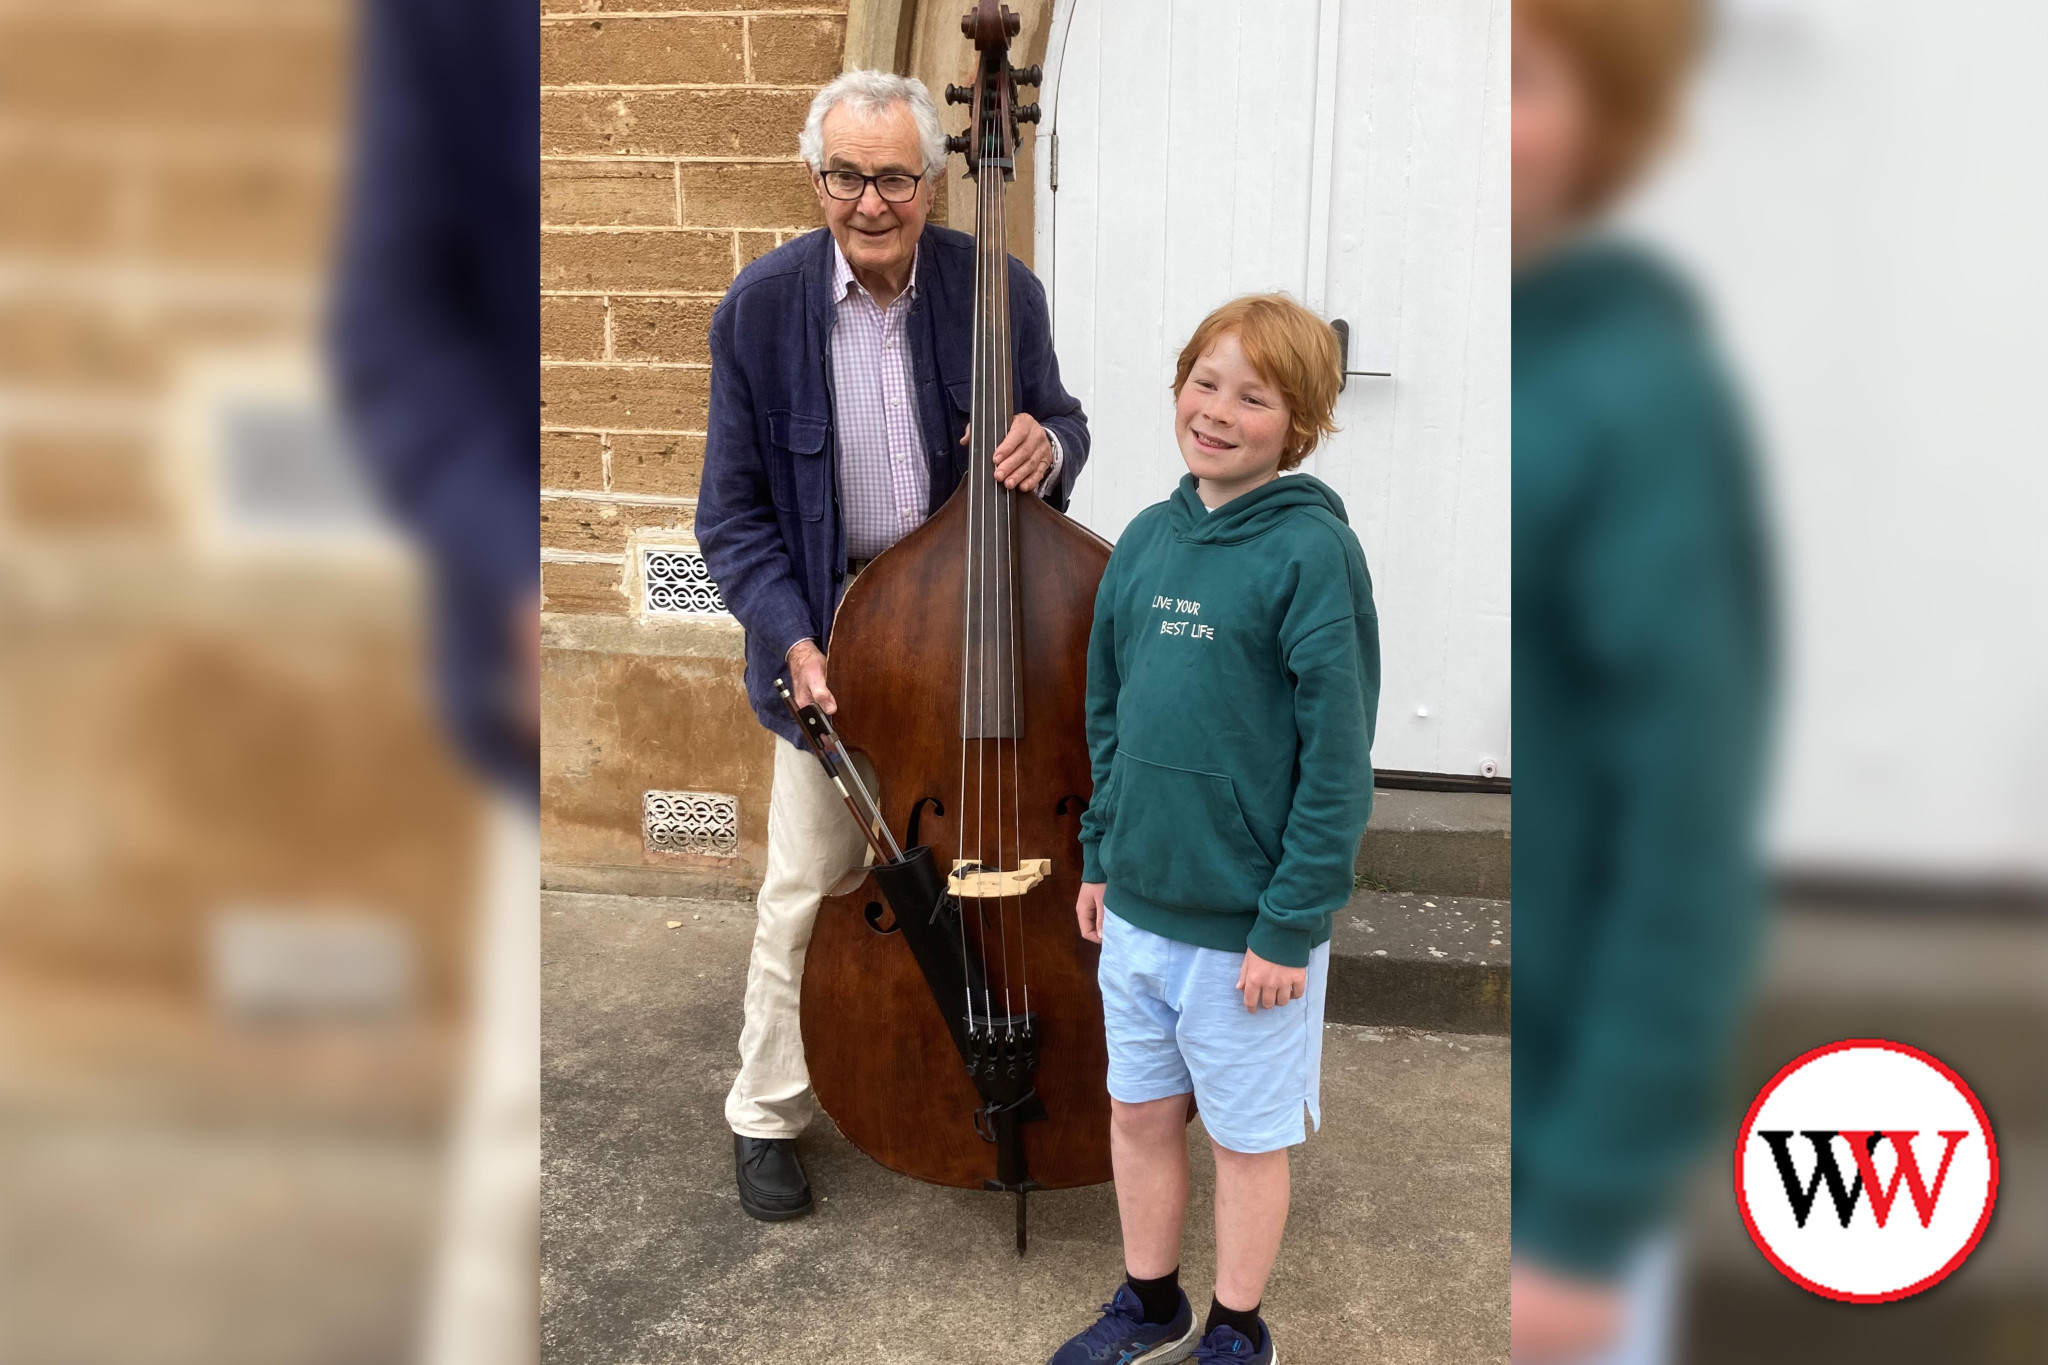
[
  {"x": 1246, "y": 1323},
  {"x": 1159, "y": 1298}
]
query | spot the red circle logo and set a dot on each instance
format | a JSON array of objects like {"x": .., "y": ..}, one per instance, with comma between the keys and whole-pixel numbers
[{"x": 1866, "y": 1171}]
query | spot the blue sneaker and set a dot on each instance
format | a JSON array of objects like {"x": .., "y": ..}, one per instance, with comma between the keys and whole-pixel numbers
[
  {"x": 1227, "y": 1344},
  {"x": 1121, "y": 1336}
]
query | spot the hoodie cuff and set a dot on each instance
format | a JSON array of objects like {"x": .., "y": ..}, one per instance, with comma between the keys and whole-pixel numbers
[
  {"x": 1279, "y": 944},
  {"x": 1091, "y": 861}
]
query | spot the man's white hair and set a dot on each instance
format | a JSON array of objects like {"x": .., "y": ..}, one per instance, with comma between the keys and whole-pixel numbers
[{"x": 869, "y": 94}]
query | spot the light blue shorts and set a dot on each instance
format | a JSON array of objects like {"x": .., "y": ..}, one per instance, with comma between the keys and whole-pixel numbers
[{"x": 1177, "y": 1023}]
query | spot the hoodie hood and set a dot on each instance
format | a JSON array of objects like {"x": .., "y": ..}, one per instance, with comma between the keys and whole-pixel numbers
[{"x": 1252, "y": 514}]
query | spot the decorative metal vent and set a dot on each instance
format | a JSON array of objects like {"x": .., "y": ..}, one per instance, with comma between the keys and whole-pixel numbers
[
  {"x": 678, "y": 584},
  {"x": 691, "y": 822}
]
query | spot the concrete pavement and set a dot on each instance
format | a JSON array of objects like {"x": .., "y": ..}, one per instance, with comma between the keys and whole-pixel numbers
[{"x": 1396, "y": 1251}]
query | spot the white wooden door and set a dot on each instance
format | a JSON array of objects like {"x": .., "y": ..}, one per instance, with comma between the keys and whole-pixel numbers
[{"x": 1352, "y": 153}]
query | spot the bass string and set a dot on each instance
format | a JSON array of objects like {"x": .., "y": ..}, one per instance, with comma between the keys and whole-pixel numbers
[
  {"x": 992, "y": 607},
  {"x": 998, "y": 408},
  {"x": 1012, "y": 626},
  {"x": 978, "y": 453},
  {"x": 967, "y": 654},
  {"x": 991, "y": 569}
]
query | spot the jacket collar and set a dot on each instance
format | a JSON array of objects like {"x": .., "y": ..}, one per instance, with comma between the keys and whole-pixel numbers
[{"x": 818, "y": 300}]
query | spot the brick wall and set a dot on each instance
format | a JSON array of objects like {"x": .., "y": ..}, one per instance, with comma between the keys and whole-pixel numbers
[
  {"x": 669, "y": 161},
  {"x": 209, "y": 732},
  {"x": 166, "y": 180}
]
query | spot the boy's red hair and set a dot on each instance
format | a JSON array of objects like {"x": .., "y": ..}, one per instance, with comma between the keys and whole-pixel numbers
[{"x": 1292, "y": 349}]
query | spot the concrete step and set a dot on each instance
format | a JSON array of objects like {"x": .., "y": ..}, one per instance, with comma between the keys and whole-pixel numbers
[
  {"x": 1431, "y": 962},
  {"x": 1455, "y": 843}
]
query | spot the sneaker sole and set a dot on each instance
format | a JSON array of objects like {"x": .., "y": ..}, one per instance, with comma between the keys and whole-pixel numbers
[{"x": 1172, "y": 1352}]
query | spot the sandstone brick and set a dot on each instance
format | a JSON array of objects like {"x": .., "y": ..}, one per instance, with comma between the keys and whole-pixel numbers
[
  {"x": 613, "y": 397},
  {"x": 658, "y": 51},
  {"x": 749, "y": 194},
  {"x": 212, "y": 321},
  {"x": 257, "y": 211},
  {"x": 290, "y": 758},
  {"x": 596, "y": 761},
  {"x": 795, "y": 49},
  {"x": 636, "y": 260},
  {"x": 671, "y": 466},
  {"x": 755, "y": 245},
  {"x": 672, "y": 122},
  {"x": 583, "y": 587},
  {"x": 55, "y": 205},
  {"x": 601, "y": 527},
  {"x": 81, "y": 482},
  {"x": 571, "y": 328},
  {"x": 608, "y": 193},
  {"x": 154, "y": 69},
  {"x": 64, "y": 342},
  {"x": 572, "y": 461},
  {"x": 662, "y": 329}
]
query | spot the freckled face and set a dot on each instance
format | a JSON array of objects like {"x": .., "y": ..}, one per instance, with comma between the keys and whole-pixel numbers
[{"x": 1231, "y": 424}]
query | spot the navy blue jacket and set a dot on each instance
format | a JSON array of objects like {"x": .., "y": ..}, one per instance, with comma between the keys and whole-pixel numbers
[
  {"x": 435, "y": 333},
  {"x": 768, "y": 511}
]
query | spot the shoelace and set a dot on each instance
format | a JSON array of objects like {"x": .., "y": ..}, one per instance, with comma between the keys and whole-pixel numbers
[
  {"x": 1235, "y": 1345},
  {"x": 1113, "y": 1326}
]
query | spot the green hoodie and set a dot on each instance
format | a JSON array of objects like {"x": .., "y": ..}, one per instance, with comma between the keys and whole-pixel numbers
[{"x": 1233, "y": 676}]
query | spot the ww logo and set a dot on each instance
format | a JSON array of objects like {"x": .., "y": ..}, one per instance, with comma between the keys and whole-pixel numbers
[{"x": 1863, "y": 1245}]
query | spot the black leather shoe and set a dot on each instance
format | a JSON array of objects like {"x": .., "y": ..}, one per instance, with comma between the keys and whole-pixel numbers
[{"x": 772, "y": 1184}]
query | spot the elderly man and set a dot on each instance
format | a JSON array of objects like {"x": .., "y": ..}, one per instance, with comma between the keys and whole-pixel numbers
[{"x": 840, "y": 373}]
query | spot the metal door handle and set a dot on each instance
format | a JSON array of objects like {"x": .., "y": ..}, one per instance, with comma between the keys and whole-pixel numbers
[{"x": 1344, "y": 370}]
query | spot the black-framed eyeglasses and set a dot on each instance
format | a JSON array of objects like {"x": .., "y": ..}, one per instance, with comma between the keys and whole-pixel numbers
[{"x": 894, "y": 186}]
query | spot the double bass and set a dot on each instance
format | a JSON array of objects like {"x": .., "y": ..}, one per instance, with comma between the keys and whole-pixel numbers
[{"x": 951, "y": 1020}]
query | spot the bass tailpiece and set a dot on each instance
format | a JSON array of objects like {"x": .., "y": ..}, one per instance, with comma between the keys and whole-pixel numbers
[{"x": 1000, "y": 1051}]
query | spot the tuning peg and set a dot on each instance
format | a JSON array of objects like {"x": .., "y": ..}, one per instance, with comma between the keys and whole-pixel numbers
[
  {"x": 1011, "y": 21},
  {"x": 959, "y": 94},
  {"x": 1030, "y": 75},
  {"x": 957, "y": 143},
  {"x": 1027, "y": 114}
]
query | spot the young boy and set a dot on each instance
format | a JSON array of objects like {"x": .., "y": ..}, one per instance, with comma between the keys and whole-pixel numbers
[{"x": 1233, "y": 673}]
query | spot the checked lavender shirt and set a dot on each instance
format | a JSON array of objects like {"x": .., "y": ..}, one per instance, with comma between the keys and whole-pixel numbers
[{"x": 884, "y": 484}]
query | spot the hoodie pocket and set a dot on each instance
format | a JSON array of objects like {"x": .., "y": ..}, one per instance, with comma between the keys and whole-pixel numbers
[{"x": 1177, "y": 836}]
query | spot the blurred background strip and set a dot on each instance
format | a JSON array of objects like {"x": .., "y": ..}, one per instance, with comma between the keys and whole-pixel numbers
[
  {"x": 238, "y": 861},
  {"x": 1858, "y": 191}
]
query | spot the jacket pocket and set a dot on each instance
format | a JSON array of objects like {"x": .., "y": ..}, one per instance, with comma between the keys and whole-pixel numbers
[
  {"x": 802, "y": 477},
  {"x": 1177, "y": 836}
]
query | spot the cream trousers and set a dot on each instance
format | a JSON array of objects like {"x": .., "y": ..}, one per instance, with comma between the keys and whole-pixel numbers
[{"x": 813, "y": 847}]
